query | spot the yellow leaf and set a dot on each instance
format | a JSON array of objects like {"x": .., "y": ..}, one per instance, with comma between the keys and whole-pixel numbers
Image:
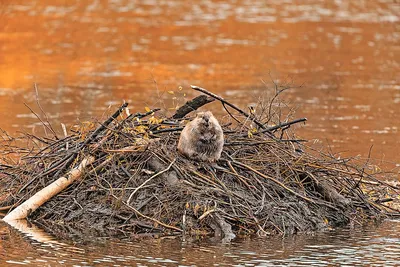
[
  {"x": 187, "y": 205},
  {"x": 180, "y": 88},
  {"x": 154, "y": 120},
  {"x": 251, "y": 132},
  {"x": 141, "y": 129},
  {"x": 252, "y": 110},
  {"x": 147, "y": 109},
  {"x": 171, "y": 92},
  {"x": 196, "y": 208}
]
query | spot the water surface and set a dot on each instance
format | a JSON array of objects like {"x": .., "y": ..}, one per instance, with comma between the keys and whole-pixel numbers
[
  {"x": 373, "y": 246},
  {"x": 87, "y": 55}
]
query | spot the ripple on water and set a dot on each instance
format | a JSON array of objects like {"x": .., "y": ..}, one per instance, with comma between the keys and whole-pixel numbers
[{"x": 373, "y": 245}]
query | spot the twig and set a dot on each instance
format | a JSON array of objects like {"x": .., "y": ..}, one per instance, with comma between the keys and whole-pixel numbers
[
  {"x": 275, "y": 181},
  {"x": 44, "y": 113},
  {"x": 6, "y": 207},
  {"x": 363, "y": 169},
  {"x": 167, "y": 130},
  {"x": 149, "y": 218},
  {"x": 140, "y": 115},
  {"x": 148, "y": 180},
  {"x": 103, "y": 126},
  {"x": 204, "y": 91},
  {"x": 38, "y": 117},
  {"x": 281, "y": 125}
]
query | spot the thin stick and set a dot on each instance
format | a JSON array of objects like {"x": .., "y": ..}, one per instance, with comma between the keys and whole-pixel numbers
[
  {"x": 103, "y": 126},
  {"x": 44, "y": 113},
  {"x": 148, "y": 180},
  {"x": 281, "y": 125},
  {"x": 38, "y": 117},
  {"x": 275, "y": 181},
  {"x": 6, "y": 207},
  {"x": 167, "y": 130},
  {"x": 204, "y": 91},
  {"x": 149, "y": 218}
]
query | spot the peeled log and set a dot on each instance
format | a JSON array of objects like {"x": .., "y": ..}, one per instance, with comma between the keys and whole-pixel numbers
[{"x": 41, "y": 197}]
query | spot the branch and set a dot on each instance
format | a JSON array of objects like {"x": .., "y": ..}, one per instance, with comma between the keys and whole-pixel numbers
[
  {"x": 104, "y": 125},
  {"x": 192, "y": 105},
  {"x": 281, "y": 125},
  {"x": 204, "y": 91},
  {"x": 44, "y": 113},
  {"x": 41, "y": 197}
]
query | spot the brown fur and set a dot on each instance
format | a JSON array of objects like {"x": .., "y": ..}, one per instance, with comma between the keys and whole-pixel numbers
[{"x": 202, "y": 139}]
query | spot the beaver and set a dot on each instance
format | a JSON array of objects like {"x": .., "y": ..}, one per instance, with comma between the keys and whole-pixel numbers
[{"x": 202, "y": 139}]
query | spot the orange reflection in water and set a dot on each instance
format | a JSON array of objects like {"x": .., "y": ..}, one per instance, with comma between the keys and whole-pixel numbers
[{"x": 87, "y": 54}]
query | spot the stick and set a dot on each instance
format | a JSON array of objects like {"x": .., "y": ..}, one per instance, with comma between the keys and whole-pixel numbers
[
  {"x": 44, "y": 113},
  {"x": 41, "y": 197},
  {"x": 275, "y": 181},
  {"x": 148, "y": 180},
  {"x": 192, "y": 105},
  {"x": 140, "y": 115},
  {"x": 204, "y": 91},
  {"x": 167, "y": 130},
  {"x": 104, "y": 125},
  {"x": 281, "y": 125},
  {"x": 6, "y": 207},
  {"x": 149, "y": 218}
]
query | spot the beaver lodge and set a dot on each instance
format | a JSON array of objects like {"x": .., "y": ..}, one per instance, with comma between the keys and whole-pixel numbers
[{"x": 124, "y": 177}]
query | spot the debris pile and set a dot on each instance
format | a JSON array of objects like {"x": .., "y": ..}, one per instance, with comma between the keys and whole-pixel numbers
[{"x": 137, "y": 184}]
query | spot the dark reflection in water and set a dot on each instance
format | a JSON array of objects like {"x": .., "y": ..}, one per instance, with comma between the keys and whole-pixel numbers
[{"x": 373, "y": 246}]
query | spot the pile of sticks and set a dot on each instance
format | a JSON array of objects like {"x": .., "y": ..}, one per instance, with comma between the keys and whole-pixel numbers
[{"x": 124, "y": 177}]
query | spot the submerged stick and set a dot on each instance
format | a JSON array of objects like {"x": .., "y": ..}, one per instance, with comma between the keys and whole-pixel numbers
[
  {"x": 36, "y": 234},
  {"x": 41, "y": 197}
]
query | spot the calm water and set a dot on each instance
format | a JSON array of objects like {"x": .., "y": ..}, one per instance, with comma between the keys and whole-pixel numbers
[
  {"x": 87, "y": 55},
  {"x": 374, "y": 246}
]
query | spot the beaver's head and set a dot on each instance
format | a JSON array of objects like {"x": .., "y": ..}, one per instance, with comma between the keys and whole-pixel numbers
[{"x": 205, "y": 118}]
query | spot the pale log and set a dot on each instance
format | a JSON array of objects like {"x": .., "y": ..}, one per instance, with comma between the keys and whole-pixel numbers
[{"x": 41, "y": 197}]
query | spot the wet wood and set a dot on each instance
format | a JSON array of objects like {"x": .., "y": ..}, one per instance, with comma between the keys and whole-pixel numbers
[{"x": 41, "y": 197}]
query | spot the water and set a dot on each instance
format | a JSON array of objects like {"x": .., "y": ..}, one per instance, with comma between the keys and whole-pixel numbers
[
  {"x": 373, "y": 246},
  {"x": 88, "y": 55}
]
